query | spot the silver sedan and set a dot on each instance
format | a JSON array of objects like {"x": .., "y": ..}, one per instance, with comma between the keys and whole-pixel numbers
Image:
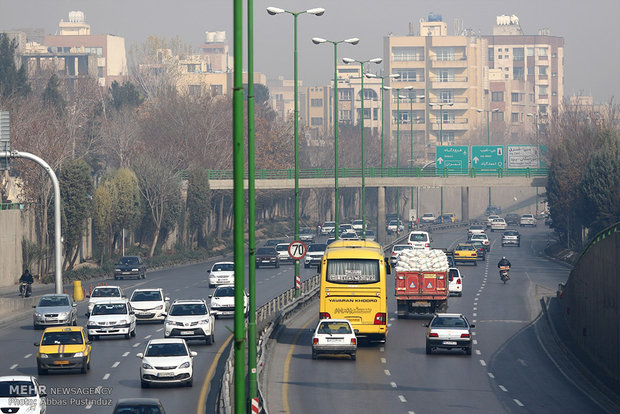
[
  {"x": 448, "y": 331},
  {"x": 54, "y": 310}
]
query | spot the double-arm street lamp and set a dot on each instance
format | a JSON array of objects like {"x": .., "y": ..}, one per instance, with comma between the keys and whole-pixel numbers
[
  {"x": 362, "y": 62},
  {"x": 351, "y": 41},
  {"x": 488, "y": 111},
  {"x": 317, "y": 12},
  {"x": 411, "y": 119},
  {"x": 398, "y": 98},
  {"x": 441, "y": 105},
  {"x": 383, "y": 78},
  {"x": 535, "y": 118}
]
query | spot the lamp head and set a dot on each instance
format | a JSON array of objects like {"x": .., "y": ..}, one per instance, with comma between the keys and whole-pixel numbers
[
  {"x": 495, "y": 110},
  {"x": 317, "y": 11},
  {"x": 387, "y": 88},
  {"x": 274, "y": 10},
  {"x": 394, "y": 75},
  {"x": 371, "y": 75},
  {"x": 318, "y": 40},
  {"x": 353, "y": 40},
  {"x": 407, "y": 88},
  {"x": 478, "y": 109},
  {"x": 348, "y": 60},
  {"x": 376, "y": 60}
]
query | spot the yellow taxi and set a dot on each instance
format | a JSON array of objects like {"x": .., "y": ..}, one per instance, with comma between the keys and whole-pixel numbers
[
  {"x": 62, "y": 348},
  {"x": 466, "y": 253}
]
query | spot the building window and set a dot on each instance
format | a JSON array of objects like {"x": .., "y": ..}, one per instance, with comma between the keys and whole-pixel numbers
[
  {"x": 447, "y": 136},
  {"x": 192, "y": 68},
  {"x": 554, "y": 74},
  {"x": 497, "y": 116},
  {"x": 554, "y": 55},
  {"x": 514, "y": 117},
  {"x": 542, "y": 51},
  {"x": 445, "y": 53},
  {"x": 316, "y": 102},
  {"x": 446, "y": 75},
  {"x": 531, "y": 97},
  {"x": 542, "y": 70},
  {"x": 497, "y": 96},
  {"x": 446, "y": 96},
  {"x": 448, "y": 117},
  {"x": 491, "y": 54},
  {"x": 518, "y": 73},
  {"x": 407, "y": 54},
  {"x": 194, "y": 90},
  {"x": 369, "y": 95},
  {"x": 344, "y": 115},
  {"x": 375, "y": 114},
  {"x": 542, "y": 109},
  {"x": 409, "y": 75},
  {"x": 514, "y": 97},
  {"x": 518, "y": 54},
  {"x": 499, "y": 56},
  {"x": 345, "y": 94},
  {"x": 217, "y": 89},
  {"x": 100, "y": 71},
  {"x": 542, "y": 90},
  {"x": 554, "y": 93},
  {"x": 530, "y": 51},
  {"x": 315, "y": 121}
]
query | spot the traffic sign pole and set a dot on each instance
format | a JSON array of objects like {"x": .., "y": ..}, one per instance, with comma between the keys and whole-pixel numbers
[{"x": 297, "y": 251}]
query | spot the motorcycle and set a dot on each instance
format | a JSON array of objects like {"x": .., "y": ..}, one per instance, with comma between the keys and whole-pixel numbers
[
  {"x": 25, "y": 289},
  {"x": 503, "y": 273}
]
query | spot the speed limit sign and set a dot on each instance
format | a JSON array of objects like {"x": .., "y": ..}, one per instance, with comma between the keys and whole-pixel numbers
[{"x": 297, "y": 250}]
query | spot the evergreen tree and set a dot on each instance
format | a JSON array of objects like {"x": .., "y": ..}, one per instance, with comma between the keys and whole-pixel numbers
[
  {"x": 198, "y": 203},
  {"x": 125, "y": 95},
  {"x": 52, "y": 95},
  {"x": 12, "y": 80}
]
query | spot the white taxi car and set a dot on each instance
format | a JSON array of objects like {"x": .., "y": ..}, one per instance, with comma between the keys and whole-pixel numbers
[
  {"x": 334, "y": 336},
  {"x": 221, "y": 273},
  {"x": 167, "y": 361}
]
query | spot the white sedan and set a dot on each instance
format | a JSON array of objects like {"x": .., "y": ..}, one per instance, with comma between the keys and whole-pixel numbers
[
  {"x": 334, "y": 336},
  {"x": 498, "y": 224},
  {"x": 223, "y": 301},
  {"x": 167, "y": 361},
  {"x": 221, "y": 273}
]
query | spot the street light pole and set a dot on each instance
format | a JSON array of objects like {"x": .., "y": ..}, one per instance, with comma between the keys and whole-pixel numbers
[
  {"x": 361, "y": 62},
  {"x": 352, "y": 41},
  {"x": 316, "y": 12},
  {"x": 488, "y": 137},
  {"x": 441, "y": 105},
  {"x": 535, "y": 117}
]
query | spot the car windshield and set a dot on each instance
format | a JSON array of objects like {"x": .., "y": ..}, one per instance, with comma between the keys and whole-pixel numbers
[
  {"x": 400, "y": 247},
  {"x": 329, "y": 224},
  {"x": 62, "y": 338},
  {"x": 129, "y": 260},
  {"x": 264, "y": 251},
  {"x": 334, "y": 328},
  {"x": 282, "y": 247},
  {"x": 146, "y": 296},
  {"x": 476, "y": 228},
  {"x": 448, "y": 322},
  {"x": 316, "y": 247},
  {"x": 186, "y": 309},
  {"x": 223, "y": 267},
  {"x": 224, "y": 291},
  {"x": 273, "y": 242},
  {"x": 428, "y": 215},
  {"x": 306, "y": 230},
  {"x": 510, "y": 233},
  {"x": 47, "y": 301},
  {"x": 421, "y": 237},
  {"x": 464, "y": 247},
  {"x": 110, "y": 309},
  {"x": 479, "y": 237},
  {"x": 137, "y": 409},
  {"x": 17, "y": 389},
  {"x": 347, "y": 235},
  {"x": 166, "y": 350},
  {"x": 358, "y": 271},
  {"x": 106, "y": 293}
]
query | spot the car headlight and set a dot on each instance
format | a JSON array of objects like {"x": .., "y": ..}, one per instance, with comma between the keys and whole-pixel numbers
[
  {"x": 38, "y": 315},
  {"x": 160, "y": 307},
  {"x": 78, "y": 354},
  {"x": 204, "y": 321},
  {"x": 146, "y": 366},
  {"x": 44, "y": 356},
  {"x": 184, "y": 365},
  {"x": 215, "y": 303},
  {"x": 117, "y": 270},
  {"x": 135, "y": 270},
  {"x": 123, "y": 322},
  {"x": 63, "y": 314}
]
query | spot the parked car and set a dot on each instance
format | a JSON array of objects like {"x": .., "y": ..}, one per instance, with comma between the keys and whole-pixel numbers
[
  {"x": 307, "y": 234},
  {"x": 428, "y": 218},
  {"x": 102, "y": 294},
  {"x": 223, "y": 301},
  {"x": 267, "y": 256},
  {"x": 22, "y": 394},
  {"x": 114, "y": 317},
  {"x": 455, "y": 282},
  {"x": 54, "y": 309},
  {"x": 149, "y": 304},
  {"x": 130, "y": 266},
  {"x": 511, "y": 237},
  {"x": 397, "y": 249},
  {"x": 334, "y": 336},
  {"x": 480, "y": 249},
  {"x": 527, "y": 220},
  {"x": 512, "y": 219},
  {"x": 314, "y": 254},
  {"x": 475, "y": 229},
  {"x": 449, "y": 331},
  {"x": 138, "y": 405},
  {"x": 190, "y": 319},
  {"x": 221, "y": 273},
  {"x": 167, "y": 361},
  {"x": 498, "y": 224},
  {"x": 482, "y": 238}
]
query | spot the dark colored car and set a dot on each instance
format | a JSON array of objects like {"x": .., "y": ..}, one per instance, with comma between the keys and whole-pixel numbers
[
  {"x": 267, "y": 256},
  {"x": 130, "y": 266},
  {"x": 274, "y": 242},
  {"x": 480, "y": 247},
  {"x": 512, "y": 219},
  {"x": 139, "y": 406}
]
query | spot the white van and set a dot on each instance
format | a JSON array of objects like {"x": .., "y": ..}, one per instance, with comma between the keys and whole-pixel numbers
[{"x": 419, "y": 240}]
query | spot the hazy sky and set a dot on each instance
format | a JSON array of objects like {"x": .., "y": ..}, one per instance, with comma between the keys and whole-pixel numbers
[{"x": 591, "y": 29}]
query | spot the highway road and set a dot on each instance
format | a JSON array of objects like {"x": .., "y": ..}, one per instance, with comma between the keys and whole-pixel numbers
[
  {"x": 509, "y": 371},
  {"x": 114, "y": 366}
]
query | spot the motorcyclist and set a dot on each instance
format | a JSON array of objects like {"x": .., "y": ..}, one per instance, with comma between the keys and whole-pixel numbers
[
  {"x": 27, "y": 278},
  {"x": 503, "y": 262}
]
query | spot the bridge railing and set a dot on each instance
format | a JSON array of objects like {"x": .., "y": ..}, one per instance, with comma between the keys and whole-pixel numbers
[{"x": 389, "y": 172}]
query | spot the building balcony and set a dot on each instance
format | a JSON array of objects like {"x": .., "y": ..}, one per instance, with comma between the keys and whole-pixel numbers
[
  {"x": 456, "y": 124},
  {"x": 455, "y": 83},
  {"x": 457, "y": 62}
]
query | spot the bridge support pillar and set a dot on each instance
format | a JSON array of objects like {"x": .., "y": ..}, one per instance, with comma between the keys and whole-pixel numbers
[
  {"x": 381, "y": 236},
  {"x": 465, "y": 203}
]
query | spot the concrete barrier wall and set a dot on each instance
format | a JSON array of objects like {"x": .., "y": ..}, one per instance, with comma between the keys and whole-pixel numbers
[
  {"x": 591, "y": 303},
  {"x": 12, "y": 230}
]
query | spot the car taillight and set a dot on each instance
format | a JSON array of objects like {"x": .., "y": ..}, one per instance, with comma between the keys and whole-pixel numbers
[
  {"x": 315, "y": 341},
  {"x": 324, "y": 315},
  {"x": 353, "y": 341},
  {"x": 433, "y": 335},
  {"x": 427, "y": 245},
  {"x": 465, "y": 335},
  {"x": 380, "y": 318},
  {"x": 458, "y": 281}
]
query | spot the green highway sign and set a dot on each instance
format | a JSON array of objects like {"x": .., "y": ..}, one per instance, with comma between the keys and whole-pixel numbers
[
  {"x": 487, "y": 157},
  {"x": 452, "y": 157}
]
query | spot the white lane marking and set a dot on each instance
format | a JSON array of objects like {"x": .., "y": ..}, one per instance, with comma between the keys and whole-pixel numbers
[
  {"x": 522, "y": 362},
  {"x": 473, "y": 333},
  {"x": 176, "y": 290},
  {"x": 393, "y": 384},
  {"x": 383, "y": 360},
  {"x": 117, "y": 363},
  {"x": 484, "y": 364},
  {"x": 474, "y": 314},
  {"x": 125, "y": 354},
  {"x": 478, "y": 352},
  {"x": 148, "y": 336},
  {"x": 389, "y": 324},
  {"x": 382, "y": 349},
  {"x": 392, "y": 319},
  {"x": 159, "y": 330},
  {"x": 27, "y": 356},
  {"x": 475, "y": 341},
  {"x": 519, "y": 403},
  {"x": 402, "y": 398},
  {"x": 501, "y": 387},
  {"x": 410, "y": 412},
  {"x": 106, "y": 376},
  {"x": 474, "y": 321},
  {"x": 88, "y": 407},
  {"x": 490, "y": 375},
  {"x": 137, "y": 344},
  {"x": 475, "y": 308},
  {"x": 13, "y": 366},
  {"x": 387, "y": 372}
]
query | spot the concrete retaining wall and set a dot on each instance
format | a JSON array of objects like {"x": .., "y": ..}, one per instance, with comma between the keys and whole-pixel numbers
[
  {"x": 591, "y": 304},
  {"x": 13, "y": 228}
]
